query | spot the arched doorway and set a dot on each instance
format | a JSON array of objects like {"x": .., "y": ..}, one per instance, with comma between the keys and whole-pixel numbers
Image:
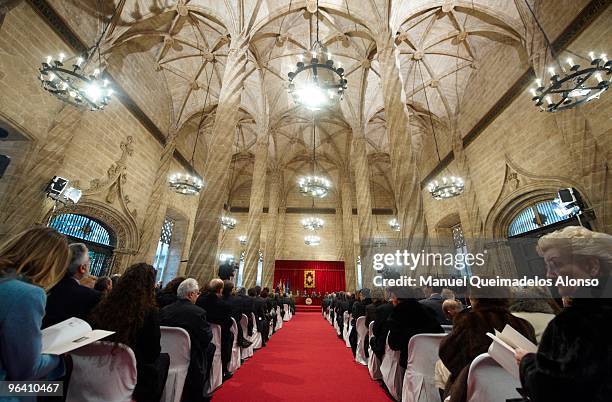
[{"x": 100, "y": 240}]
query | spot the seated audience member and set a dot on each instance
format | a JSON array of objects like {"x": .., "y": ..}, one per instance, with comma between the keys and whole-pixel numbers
[
  {"x": 359, "y": 310},
  {"x": 451, "y": 308},
  {"x": 115, "y": 278},
  {"x": 69, "y": 298},
  {"x": 235, "y": 305},
  {"x": 30, "y": 263},
  {"x": 129, "y": 310},
  {"x": 103, "y": 284},
  {"x": 260, "y": 315},
  {"x": 183, "y": 313},
  {"x": 407, "y": 319},
  {"x": 380, "y": 329},
  {"x": 469, "y": 336},
  {"x": 246, "y": 307},
  {"x": 434, "y": 302},
  {"x": 574, "y": 357},
  {"x": 167, "y": 295},
  {"x": 537, "y": 311},
  {"x": 220, "y": 313},
  {"x": 447, "y": 294}
]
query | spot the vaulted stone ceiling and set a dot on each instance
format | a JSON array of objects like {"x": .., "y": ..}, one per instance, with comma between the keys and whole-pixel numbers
[{"x": 183, "y": 45}]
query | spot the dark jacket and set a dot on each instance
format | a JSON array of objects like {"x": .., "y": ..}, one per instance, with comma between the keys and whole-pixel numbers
[
  {"x": 469, "y": 339},
  {"x": 69, "y": 299},
  {"x": 380, "y": 329},
  {"x": 165, "y": 299},
  {"x": 191, "y": 318},
  {"x": 217, "y": 310},
  {"x": 434, "y": 302},
  {"x": 370, "y": 312},
  {"x": 407, "y": 319},
  {"x": 574, "y": 358}
]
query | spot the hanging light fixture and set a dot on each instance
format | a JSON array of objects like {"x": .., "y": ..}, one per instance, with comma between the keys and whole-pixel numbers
[
  {"x": 317, "y": 81},
  {"x": 313, "y": 185},
  {"x": 312, "y": 240},
  {"x": 312, "y": 223},
  {"x": 395, "y": 225},
  {"x": 243, "y": 240},
  {"x": 78, "y": 80},
  {"x": 228, "y": 223},
  {"x": 191, "y": 183},
  {"x": 445, "y": 187},
  {"x": 570, "y": 84}
]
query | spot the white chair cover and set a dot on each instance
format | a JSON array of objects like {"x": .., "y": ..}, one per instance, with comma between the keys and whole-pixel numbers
[
  {"x": 101, "y": 374},
  {"x": 235, "y": 360},
  {"x": 362, "y": 332},
  {"x": 345, "y": 318},
  {"x": 419, "y": 384},
  {"x": 447, "y": 328},
  {"x": 373, "y": 362},
  {"x": 348, "y": 328},
  {"x": 247, "y": 352},
  {"x": 215, "y": 379},
  {"x": 287, "y": 316},
  {"x": 488, "y": 381},
  {"x": 279, "y": 319},
  {"x": 392, "y": 372},
  {"x": 336, "y": 326},
  {"x": 256, "y": 337},
  {"x": 175, "y": 341}
]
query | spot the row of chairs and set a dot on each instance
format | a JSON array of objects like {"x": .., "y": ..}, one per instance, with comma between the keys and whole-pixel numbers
[
  {"x": 487, "y": 380},
  {"x": 104, "y": 372}
]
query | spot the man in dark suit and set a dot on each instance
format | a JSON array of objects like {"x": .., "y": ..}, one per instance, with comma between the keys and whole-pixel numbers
[
  {"x": 220, "y": 313},
  {"x": 235, "y": 306},
  {"x": 260, "y": 315},
  {"x": 358, "y": 310},
  {"x": 434, "y": 303},
  {"x": 246, "y": 307},
  {"x": 380, "y": 329},
  {"x": 185, "y": 314},
  {"x": 408, "y": 318},
  {"x": 69, "y": 298}
]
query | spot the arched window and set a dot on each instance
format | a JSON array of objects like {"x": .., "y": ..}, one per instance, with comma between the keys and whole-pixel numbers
[
  {"x": 99, "y": 239},
  {"x": 537, "y": 216}
]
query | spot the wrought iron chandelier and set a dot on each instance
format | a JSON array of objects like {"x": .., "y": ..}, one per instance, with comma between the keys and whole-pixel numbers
[
  {"x": 317, "y": 81},
  {"x": 312, "y": 223},
  {"x": 312, "y": 240},
  {"x": 447, "y": 187},
  {"x": 574, "y": 85},
  {"x": 78, "y": 80},
  {"x": 313, "y": 185},
  {"x": 243, "y": 240},
  {"x": 228, "y": 223},
  {"x": 395, "y": 225},
  {"x": 191, "y": 183}
]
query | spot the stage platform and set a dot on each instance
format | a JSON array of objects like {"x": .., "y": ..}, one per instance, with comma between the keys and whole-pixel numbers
[{"x": 307, "y": 309}]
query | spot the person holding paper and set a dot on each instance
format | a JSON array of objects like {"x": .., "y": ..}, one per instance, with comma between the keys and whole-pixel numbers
[
  {"x": 574, "y": 359},
  {"x": 469, "y": 338},
  {"x": 129, "y": 310},
  {"x": 30, "y": 262}
]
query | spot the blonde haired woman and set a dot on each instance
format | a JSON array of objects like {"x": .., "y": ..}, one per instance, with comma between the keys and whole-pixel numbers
[
  {"x": 574, "y": 359},
  {"x": 30, "y": 263}
]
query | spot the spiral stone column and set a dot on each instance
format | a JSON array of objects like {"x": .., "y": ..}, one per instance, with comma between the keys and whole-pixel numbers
[
  {"x": 203, "y": 256},
  {"x": 25, "y": 202},
  {"x": 158, "y": 202},
  {"x": 258, "y": 190},
  {"x": 347, "y": 232},
  {"x": 364, "y": 205},
  {"x": 270, "y": 249},
  {"x": 404, "y": 158}
]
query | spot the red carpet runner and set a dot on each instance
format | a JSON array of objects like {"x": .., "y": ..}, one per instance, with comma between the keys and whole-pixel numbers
[{"x": 304, "y": 361}]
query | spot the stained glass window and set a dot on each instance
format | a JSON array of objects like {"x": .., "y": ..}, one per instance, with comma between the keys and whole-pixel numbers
[
  {"x": 163, "y": 247},
  {"x": 535, "y": 217},
  {"x": 98, "y": 239},
  {"x": 460, "y": 248}
]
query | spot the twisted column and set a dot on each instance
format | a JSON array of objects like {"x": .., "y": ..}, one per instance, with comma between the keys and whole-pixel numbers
[
  {"x": 364, "y": 205},
  {"x": 404, "y": 158},
  {"x": 25, "y": 201},
  {"x": 258, "y": 190},
  {"x": 203, "y": 256},
  {"x": 270, "y": 249},
  {"x": 347, "y": 232},
  {"x": 158, "y": 202}
]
